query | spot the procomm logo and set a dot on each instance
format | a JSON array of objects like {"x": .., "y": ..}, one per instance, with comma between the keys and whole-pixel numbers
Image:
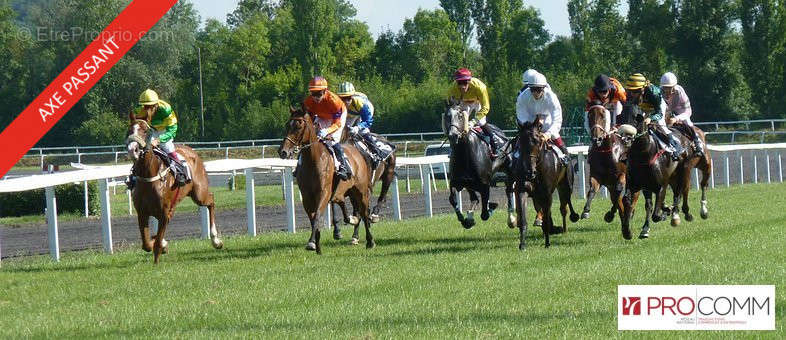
[{"x": 696, "y": 307}]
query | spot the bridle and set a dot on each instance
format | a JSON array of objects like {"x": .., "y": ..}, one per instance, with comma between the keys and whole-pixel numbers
[
  {"x": 144, "y": 144},
  {"x": 298, "y": 146},
  {"x": 605, "y": 134}
]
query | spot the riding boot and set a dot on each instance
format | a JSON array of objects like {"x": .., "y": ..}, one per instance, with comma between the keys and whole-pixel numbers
[
  {"x": 698, "y": 146},
  {"x": 677, "y": 146},
  {"x": 371, "y": 142},
  {"x": 344, "y": 172},
  {"x": 492, "y": 142},
  {"x": 565, "y": 159}
]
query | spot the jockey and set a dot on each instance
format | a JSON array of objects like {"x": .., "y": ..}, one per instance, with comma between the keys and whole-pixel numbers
[
  {"x": 330, "y": 115},
  {"x": 539, "y": 100},
  {"x": 474, "y": 97},
  {"x": 648, "y": 97},
  {"x": 163, "y": 120},
  {"x": 526, "y": 77},
  {"x": 610, "y": 93},
  {"x": 679, "y": 109},
  {"x": 360, "y": 117}
]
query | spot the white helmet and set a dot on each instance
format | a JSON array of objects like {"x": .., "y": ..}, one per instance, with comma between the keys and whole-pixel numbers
[
  {"x": 538, "y": 80},
  {"x": 668, "y": 79},
  {"x": 527, "y": 76}
]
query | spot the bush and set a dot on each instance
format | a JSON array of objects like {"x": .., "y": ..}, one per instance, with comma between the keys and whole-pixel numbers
[
  {"x": 70, "y": 199},
  {"x": 240, "y": 182}
]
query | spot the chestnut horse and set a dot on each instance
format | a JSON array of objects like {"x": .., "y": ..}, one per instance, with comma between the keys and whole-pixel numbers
[
  {"x": 316, "y": 176},
  {"x": 704, "y": 164},
  {"x": 604, "y": 162},
  {"x": 538, "y": 172},
  {"x": 385, "y": 172},
  {"x": 156, "y": 194}
]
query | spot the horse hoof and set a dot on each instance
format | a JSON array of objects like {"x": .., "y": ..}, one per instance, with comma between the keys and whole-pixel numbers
[
  {"x": 493, "y": 206},
  {"x": 704, "y": 215},
  {"x": 689, "y": 217},
  {"x": 537, "y": 223},
  {"x": 608, "y": 217},
  {"x": 675, "y": 221},
  {"x": 468, "y": 223},
  {"x": 522, "y": 246},
  {"x": 311, "y": 246},
  {"x": 336, "y": 236},
  {"x": 374, "y": 218},
  {"x": 644, "y": 234},
  {"x": 354, "y": 242},
  {"x": 574, "y": 217},
  {"x": 656, "y": 218},
  {"x": 485, "y": 216},
  {"x": 511, "y": 221},
  {"x": 585, "y": 215},
  {"x": 626, "y": 234},
  {"x": 354, "y": 220},
  {"x": 218, "y": 244},
  {"x": 370, "y": 244}
]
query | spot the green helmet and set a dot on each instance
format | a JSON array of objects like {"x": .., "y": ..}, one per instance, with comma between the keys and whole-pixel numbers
[{"x": 346, "y": 89}]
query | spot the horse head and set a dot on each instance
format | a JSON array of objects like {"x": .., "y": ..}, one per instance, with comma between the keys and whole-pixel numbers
[
  {"x": 530, "y": 144},
  {"x": 138, "y": 137},
  {"x": 636, "y": 116},
  {"x": 455, "y": 121},
  {"x": 299, "y": 132},
  {"x": 599, "y": 120}
]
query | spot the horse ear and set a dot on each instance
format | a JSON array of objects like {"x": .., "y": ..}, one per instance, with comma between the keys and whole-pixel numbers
[
  {"x": 131, "y": 117},
  {"x": 292, "y": 110}
]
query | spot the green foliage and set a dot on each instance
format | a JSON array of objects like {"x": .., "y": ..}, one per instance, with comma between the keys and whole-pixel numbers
[{"x": 70, "y": 199}]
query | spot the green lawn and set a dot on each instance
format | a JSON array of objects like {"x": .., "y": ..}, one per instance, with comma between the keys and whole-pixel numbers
[{"x": 427, "y": 278}]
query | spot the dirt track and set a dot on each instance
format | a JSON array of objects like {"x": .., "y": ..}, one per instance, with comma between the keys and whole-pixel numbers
[{"x": 86, "y": 234}]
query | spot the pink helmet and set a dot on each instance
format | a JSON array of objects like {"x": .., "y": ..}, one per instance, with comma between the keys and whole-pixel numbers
[{"x": 462, "y": 74}]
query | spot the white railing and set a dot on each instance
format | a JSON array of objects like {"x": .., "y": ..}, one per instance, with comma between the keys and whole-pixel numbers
[{"x": 103, "y": 174}]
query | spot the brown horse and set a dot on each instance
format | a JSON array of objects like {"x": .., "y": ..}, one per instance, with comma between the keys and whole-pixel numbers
[
  {"x": 704, "y": 164},
  {"x": 605, "y": 166},
  {"x": 315, "y": 176},
  {"x": 538, "y": 172},
  {"x": 385, "y": 172},
  {"x": 156, "y": 194}
]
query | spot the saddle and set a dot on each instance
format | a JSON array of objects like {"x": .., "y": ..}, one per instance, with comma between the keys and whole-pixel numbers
[
  {"x": 381, "y": 144},
  {"x": 499, "y": 136},
  {"x": 178, "y": 169}
]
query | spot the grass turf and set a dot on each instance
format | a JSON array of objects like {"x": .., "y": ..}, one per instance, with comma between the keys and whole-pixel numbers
[{"x": 426, "y": 278}]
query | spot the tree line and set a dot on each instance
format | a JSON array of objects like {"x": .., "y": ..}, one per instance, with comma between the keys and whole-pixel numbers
[{"x": 729, "y": 55}]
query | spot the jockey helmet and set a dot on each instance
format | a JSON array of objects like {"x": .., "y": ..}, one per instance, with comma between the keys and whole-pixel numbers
[
  {"x": 318, "y": 84},
  {"x": 668, "y": 79},
  {"x": 636, "y": 81},
  {"x": 602, "y": 83},
  {"x": 462, "y": 74},
  {"x": 346, "y": 89},
  {"x": 526, "y": 77},
  {"x": 149, "y": 97}
]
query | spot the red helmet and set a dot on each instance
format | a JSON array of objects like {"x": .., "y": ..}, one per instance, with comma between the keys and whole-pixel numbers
[
  {"x": 462, "y": 74},
  {"x": 317, "y": 84}
]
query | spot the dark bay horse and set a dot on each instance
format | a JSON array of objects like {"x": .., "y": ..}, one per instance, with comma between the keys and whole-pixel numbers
[
  {"x": 472, "y": 168},
  {"x": 704, "y": 165},
  {"x": 649, "y": 169},
  {"x": 605, "y": 165},
  {"x": 385, "y": 172},
  {"x": 316, "y": 176},
  {"x": 156, "y": 194},
  {"x": 538, "y": 172}
]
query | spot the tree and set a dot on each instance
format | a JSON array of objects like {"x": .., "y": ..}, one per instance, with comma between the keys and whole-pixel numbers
[
  {"x": 525, "y": 39},
  {"x": 764, "y": 35},
  {"x": 460, "y": 12},
  {"x": 652, "y": 25},
  {"x": 430, "y": 44},
  {"x": 247, "y": 9},
  {"x": 492, "y": 18}
]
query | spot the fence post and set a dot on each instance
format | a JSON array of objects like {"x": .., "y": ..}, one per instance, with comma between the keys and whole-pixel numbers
[
  {"x": 128, "y": 193},
  {"x": 755, "y": 170},
  {"x": 226, "y": 153},
  {"x": 234, "y": 173},
  {"x": 106, "y": 213},
  {"x": 420, "y": 172},
  {"x": 116, "y": 156},
  {"x": 396, "y": 200},
  {"x": 712, "y": 174},
  {"x": 204, "y": 216},
  {"x": 51, "y": 218},
  {"x": 696, "y": 177},
  {"x": 768, "y": 166},
  {"x": 406, "y": 145},
  {"x": 87, "y": 206},
  {"x": 445, "y": 173},
  {"x": 780, "y": 168},
  {"x": 742, "y": 172},
  {"x": 263, "y": 151},
  {"x": 433, "y": 177},
  {"x": 251, "y": 212},
  {"x": 726, "y": 168},
  {"x": 289, "y": 198},
  {"x": 583, "y": 193},
  {"x": 426, "y": 186}
]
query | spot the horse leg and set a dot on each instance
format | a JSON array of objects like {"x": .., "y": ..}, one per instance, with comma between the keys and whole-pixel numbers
[
  {"x": 706, "y": 173},
  {"x": 355, "y": 221},
  {"x": 486, "y": 208},
  {"x": 453, "y": 202},
  {"x": 565, "y": 191},
  {"x": 387, "y": 180},
  {"x": 204, "y": 198},
  {"x": 521, "y": 212},
  {"x": 144, "y": 229},
  {"x": 628, "y": 202},
  {"x": 469, "y": 222},
  {"x": 678, "y": 191},
  {"x": 645, "y": 229},
  {"x": 511, "y": 204},
  {"x": 616, "y": 203},
  {"x": 594, "y": 186},
  {"x": 548, "y": 223},
  {"x": 657, "y": 213},
  {"x": 335, "y": 221},
  {"x": 364, "y": 198},
  {"x": 160, "y": 246}
]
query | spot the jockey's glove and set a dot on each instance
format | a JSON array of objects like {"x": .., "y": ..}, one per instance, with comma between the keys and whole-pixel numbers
[
  {"x": 155, "y": 142},
  {"x": 322, "y": 134}
]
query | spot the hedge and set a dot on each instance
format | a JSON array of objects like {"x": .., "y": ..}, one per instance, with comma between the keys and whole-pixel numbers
[{"x": 70, "y": 199}]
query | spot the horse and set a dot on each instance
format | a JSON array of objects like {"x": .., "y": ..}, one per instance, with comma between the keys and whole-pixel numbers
[
  {"x": 651, "y": 171},
  {"x": 605, "y": 166},
  {"x": 156, "y": 193},
  {"x": 472, "y": 168},
  {"x": 316, "y": 176},
  {"x": 385, "y": 172},
  {"x": 704, "y": 164},
  {"x": 538, "y": 172}
]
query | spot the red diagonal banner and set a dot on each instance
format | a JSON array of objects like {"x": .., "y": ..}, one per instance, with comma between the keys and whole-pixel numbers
[{"x": 78, "y": 78}]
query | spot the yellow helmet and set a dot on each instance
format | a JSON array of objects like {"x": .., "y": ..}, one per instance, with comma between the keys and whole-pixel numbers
[
  {"x": 149, "y": 97},
  {"x": 346, "y": 89},
  {"x": 635, "y": 81}
]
